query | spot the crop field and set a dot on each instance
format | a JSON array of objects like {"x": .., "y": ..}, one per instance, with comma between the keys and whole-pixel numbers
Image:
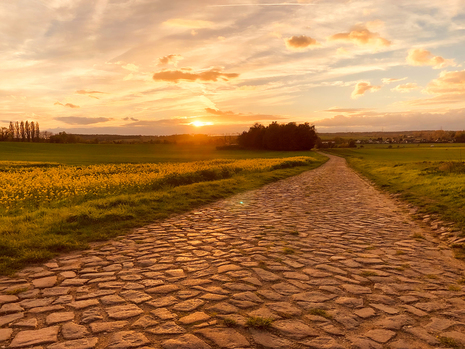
[
  {"x": 431, "y": 177},
  {"x": 54, "y": 206},
  {"x": 93, "y": 154}
]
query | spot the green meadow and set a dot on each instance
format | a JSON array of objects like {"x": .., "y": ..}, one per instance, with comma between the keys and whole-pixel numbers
[
  {"x": 431, "y": 177},
  {"x": 61, "y": 207},
  {"x": 92, "y": 154}
]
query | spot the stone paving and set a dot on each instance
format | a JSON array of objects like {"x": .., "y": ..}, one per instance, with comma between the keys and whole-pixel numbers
[{"x": 321, "y": 260}]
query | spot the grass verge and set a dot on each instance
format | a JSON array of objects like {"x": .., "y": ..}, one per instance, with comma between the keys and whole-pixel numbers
[{"x": 39, "y": 235}]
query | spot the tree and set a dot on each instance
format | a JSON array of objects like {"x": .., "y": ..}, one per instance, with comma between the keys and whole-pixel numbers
[
  {"x": 279, "y": 137},
  {"x": 22, "y": 131},
  {"x": 37, "y": 131},
  {"x": 11, "y": 131},
  {"x": 27, "y": 131},
  {"x": 33, "y": 131},
  {"x": 17, "y": 130}
]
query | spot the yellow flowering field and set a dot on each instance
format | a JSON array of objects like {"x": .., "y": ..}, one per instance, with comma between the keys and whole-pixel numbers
[{"x": 33, "y": 185}]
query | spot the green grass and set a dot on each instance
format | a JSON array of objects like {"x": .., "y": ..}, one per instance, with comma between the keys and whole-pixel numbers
[
  {"x": 320, "y": 312},
  {"x": 449, "y": 342},
  {"x": 431, "y": 178},
  {"x": 36, "y": 235},
  {"x": 90, "y": 154},
  {"x": 258, "y": 322}
]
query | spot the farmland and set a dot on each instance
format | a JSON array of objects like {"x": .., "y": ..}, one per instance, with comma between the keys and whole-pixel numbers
[
  {"x": 57, "y": 198},
  {"x": 430, "y": 177}
]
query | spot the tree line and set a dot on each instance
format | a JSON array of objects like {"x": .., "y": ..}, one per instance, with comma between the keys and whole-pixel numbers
[
  {"x": 21, "y": 131},
  {"x": 279, "y": 137}
]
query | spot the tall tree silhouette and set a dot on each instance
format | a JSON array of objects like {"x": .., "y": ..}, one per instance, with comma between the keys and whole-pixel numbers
[{"x": 22, "y": 131}]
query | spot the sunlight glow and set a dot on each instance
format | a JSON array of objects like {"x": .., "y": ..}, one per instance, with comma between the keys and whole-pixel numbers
[{"x": 200, "y": 123}]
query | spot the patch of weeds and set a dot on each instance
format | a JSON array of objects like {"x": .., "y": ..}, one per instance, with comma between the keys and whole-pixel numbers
[
  {"x": 321, "y": 312},
  {"x": 461, "y": 281},
  {"x": 262, "y": 264},
  {"x": 431, "y": 276},
  {"x": 295, "y": 233},
  {"x": 230, "y": 322},
  {"x": 258, "y": 322},
  {"x": 288, "y": 250},
  {"x": 370, "y": 248},
  {"x": 454, "y": 288},
  {"x": 16, "y": 291},
  {"x": 368, "y": 273},
  {"x": 139, "y": 242},
  {"x": 418, "y": 236},
  {"x": 400, "y": 252},
  {"x": 278, "y": 260},
  {"x": 448, "y": 342}
]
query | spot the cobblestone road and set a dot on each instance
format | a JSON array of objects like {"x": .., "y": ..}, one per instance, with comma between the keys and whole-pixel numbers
[{"x": 331, "y": 261}]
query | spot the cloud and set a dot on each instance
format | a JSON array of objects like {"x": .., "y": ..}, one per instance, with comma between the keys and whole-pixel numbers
[
  {"x": 387, "y": 81},
  {"x": 406, "y": 87},
  {"x": 231, "y": 116},
  {"x": 360, "y": 35},
  {"x": 69, "y": 105},
  {"x": 301, "y": 42},
  {"x": 395, "y": 121},
  {"x": 208, "y": 75},
  {"x": 362, "y": 87},
  {"x": 189, "y": 23},
  {"x": 449, "y": 87},
  {"x": 81, "y": 120},
  {"x": 170, "y": 59},
  {"x": 128, "y": 118},
  {"x": 131, "y": 67},
  {"x": 346, "y": 110},
  {"x": 89, "y": 93},
  {"x": 452, "y": 82},
  {"x": 421, "y": 57}
]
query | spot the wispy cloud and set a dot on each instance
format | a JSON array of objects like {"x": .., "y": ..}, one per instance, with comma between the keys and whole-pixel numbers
[
  {"x": 420, "y": 57},
  {"x": 301, "y": 42},
  {"x": 405, "y": 87},
  {"x": 170, "y": 59},
  {"x": 69, "y": 105},
  {"x": 82, "y": 120},
  {"x": 362, "y": 87},
  {"x": 213, "y": 74},
  {"x": 360, "y": 35},
  {"x": 229, "y": 116},
  {"x": 387, "y": 81}
]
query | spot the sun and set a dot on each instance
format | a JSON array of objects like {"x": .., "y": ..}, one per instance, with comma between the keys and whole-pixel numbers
[{"x": 200, "y": 123}]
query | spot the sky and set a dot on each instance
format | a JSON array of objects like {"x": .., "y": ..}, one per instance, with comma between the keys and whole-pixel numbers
[{"x": 160, "y": 67}]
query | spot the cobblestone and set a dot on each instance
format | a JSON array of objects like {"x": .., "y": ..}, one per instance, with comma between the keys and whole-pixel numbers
[{"x": 320, "y": 260}]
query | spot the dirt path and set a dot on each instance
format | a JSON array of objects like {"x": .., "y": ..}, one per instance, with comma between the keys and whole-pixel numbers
[{"x": 330, "y": 260}]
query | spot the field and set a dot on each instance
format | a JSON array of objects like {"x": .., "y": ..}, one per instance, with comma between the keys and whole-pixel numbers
[
  {"x": 431, "y": 177},
  {"x": 92, "y": 154},
  {"x": 56, "y": 198}
]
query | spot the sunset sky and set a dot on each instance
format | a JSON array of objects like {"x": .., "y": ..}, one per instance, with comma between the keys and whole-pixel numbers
[{"x": 199, "y": 66}]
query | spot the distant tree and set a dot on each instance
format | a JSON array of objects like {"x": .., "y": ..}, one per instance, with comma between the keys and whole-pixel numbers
[
  {"x": 37, "y": 132},
  {"x": 460, "y": 136},
  {"x": 11, "y": 132},
  {"x": 279, "y": 137},
  {"x": 33, "y": 131},
  {"x": 4, "y": 133},
  {"x": 63, "y": 137},
  {"x": 22, "y": 131},
  {"x": 27, "y": 130},
  {"x": 17, "y": 131}
]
